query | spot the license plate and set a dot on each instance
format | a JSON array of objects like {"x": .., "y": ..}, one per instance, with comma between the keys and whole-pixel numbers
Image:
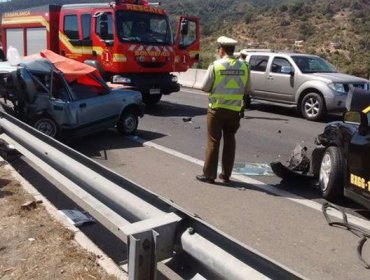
[{"x": 154, "y": 91}]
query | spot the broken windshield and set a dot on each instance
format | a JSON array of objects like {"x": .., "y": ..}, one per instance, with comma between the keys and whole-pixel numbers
[{"x": 145, "y": 28}]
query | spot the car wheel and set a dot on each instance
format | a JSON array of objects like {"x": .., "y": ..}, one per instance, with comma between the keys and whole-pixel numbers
[
  {"x": 313, "y": 107},
  {"x": 128, "y": 122},
  {"x": 331, "y": 174},
  {"x": 47, "y": 126},
  {"x": 151, "y": 100}
]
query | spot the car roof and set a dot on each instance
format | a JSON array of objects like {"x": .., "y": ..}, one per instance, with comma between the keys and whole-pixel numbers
[
  {"x": 40, "y": 65},
  {"x": 281, "y": 54}
]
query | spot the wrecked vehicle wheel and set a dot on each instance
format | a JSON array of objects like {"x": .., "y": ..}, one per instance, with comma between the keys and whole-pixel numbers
[
  {"x": 47, "y": 126},
  {"x": 331, "y": 174},
  {"x": 128, "y": 122}
]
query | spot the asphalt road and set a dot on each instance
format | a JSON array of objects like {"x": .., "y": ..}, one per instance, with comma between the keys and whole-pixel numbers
[{"x": 281, "y": 220}]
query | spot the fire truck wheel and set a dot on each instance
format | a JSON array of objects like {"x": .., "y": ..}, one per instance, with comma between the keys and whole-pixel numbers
[
  {"x": 331, "y": 174},
  {"x": 47, "y": 126},
  {"x": 127, "y": 125},
  {"x": 152, "y": 99}
]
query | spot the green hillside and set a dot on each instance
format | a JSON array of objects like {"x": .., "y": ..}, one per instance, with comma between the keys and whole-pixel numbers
[{"x": 338, "y": 30}]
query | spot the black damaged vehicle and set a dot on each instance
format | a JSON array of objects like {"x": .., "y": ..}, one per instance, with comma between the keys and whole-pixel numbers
[
  {"x": 345, "y": 164},
  {"x": 340, "y": 164}
]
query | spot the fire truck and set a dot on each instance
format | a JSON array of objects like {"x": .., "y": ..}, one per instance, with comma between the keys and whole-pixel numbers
[{"x": 129, "y": 41}]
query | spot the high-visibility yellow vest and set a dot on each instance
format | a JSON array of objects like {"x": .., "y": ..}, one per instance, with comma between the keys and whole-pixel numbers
[{"x": 231, "y": 76}]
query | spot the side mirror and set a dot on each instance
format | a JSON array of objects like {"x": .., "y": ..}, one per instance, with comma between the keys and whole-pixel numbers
[
  {"x": 287, "y": 70},
  {"x": 184, "y": 27},
  {"x": 103, "y": 29},
  {"x": 359, "y": 118}
]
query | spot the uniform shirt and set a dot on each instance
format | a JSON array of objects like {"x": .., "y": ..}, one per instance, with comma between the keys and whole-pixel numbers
[{"x": 210, "y": 78}]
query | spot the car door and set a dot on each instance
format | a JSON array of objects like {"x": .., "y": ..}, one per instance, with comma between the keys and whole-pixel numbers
[
  {"x": 95, "y": 108},
  {"x": 258, "y": 71},
  {"x": 280, "y": 80},
  {"x": 358, "y": 164}
]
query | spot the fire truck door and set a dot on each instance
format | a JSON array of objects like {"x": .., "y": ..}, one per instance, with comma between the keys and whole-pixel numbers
[
  {"x": 358, "y": 164},
  {"x": 187, "y": 38},
  {"x": 104, "y": 38}
]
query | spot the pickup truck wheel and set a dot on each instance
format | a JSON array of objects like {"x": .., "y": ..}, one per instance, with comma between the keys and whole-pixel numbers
[
  {"x": 151, "y": 100},
  {"x": 128, "y": 122},
  {"x": 47, "y": 126},
  {"x": 313, "y": 106},
  {"x": 331, "y": 174}
]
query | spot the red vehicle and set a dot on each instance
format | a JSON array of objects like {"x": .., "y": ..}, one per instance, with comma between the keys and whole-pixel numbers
[{"x": 129, "y": 41}]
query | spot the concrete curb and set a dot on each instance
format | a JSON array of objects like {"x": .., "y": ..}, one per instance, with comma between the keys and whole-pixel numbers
[{"x": 102, "y": 259}]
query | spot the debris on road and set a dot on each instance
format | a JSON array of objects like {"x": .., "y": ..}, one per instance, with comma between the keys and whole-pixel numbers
[
  {"x": 76, "y": 217},
  {"x": 253, "y": 169},
  {"x": 186, "y": 119}
]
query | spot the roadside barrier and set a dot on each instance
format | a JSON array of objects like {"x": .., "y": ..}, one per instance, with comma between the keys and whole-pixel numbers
[
  {"x": 193, "y": 78},
  {"x": 153, "y": 228}
]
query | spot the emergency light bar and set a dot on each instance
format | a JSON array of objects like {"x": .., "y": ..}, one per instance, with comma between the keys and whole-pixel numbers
[{"x": 136, "y": 2}]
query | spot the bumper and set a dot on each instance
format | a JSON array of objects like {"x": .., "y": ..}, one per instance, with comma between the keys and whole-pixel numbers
[
  {"x": 335, "y": 102},
  {"x": 153, "y": 84}
]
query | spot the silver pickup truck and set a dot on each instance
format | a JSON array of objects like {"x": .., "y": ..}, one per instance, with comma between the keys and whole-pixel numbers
[{"x": 306, "y": 82}]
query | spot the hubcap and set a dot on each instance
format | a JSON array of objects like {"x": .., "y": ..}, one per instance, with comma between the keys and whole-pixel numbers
[
  {"x": 130, "y": 123},
  {"x": 312, "y": 107},
  {"x": 325, "y": 171},
  {"x": 46, "y": 127}
]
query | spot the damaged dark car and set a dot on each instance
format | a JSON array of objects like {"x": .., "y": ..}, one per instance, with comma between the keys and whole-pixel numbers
[
  {"x": 65, "y": 99},
  {"x": 341, "y": 161}
]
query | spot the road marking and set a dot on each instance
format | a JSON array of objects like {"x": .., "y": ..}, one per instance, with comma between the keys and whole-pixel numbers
[{"x": 260, "y": 185}]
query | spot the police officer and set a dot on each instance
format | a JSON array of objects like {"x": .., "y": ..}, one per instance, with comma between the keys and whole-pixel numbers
[{"x": 226, "y": 82}]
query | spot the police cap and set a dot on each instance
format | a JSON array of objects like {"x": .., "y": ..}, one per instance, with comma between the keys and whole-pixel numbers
[{"x": 226, "y": 41}]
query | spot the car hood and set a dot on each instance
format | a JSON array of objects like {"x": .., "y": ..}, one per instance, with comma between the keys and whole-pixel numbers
[{"x": 339, "y": 78}]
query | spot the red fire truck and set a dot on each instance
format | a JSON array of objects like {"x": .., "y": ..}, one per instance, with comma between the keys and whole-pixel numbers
[{"x": 128, "y": 41}]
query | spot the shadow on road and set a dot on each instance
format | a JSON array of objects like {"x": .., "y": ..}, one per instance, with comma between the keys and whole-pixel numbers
[
  {"x": 290, "y": 112},
  {"x": 97, "y": 145},
  {"x": 168, "y": 109}
]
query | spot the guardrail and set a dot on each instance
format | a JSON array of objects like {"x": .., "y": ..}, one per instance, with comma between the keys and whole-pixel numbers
[{"x": 153, "y": 228}]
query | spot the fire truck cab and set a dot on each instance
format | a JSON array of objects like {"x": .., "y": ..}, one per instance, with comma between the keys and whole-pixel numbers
[{"x": 129, "y": 42}]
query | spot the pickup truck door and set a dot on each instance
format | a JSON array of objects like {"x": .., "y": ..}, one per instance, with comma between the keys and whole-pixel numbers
[
  {"x": 358, "y": 165},
  {"x": 258, "y": 71},
  {"x": 280, "y": 80}
]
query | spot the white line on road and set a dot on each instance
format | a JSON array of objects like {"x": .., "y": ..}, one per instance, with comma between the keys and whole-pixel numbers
[{"x": 260, "y": 185}]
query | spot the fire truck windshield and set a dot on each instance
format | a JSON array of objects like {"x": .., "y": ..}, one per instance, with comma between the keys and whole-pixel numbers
[{"x": 145, "y": 28}]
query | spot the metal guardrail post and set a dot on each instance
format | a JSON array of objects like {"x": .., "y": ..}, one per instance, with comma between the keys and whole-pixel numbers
[{"x": 142, "y": 263}]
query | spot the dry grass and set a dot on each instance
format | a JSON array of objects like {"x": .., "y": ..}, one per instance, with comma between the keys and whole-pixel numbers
[{"x": 33, "y": 245}]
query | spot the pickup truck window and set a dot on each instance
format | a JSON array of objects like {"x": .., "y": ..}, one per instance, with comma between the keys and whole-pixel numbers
[
  {"x": 281, "y": 65},
  {"x": 258, "y": 63}
]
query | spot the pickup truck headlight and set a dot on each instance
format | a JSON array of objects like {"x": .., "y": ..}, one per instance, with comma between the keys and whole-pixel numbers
[{"x": 338, "y": 87}]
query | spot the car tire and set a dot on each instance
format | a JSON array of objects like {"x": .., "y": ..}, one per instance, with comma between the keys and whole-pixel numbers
[
  {"x": 313, "y": 106},
  {"x": 331, "y": 174},
  {"x": 151, "y": 100},
  {"x": 128, "y": 122},
  {"x": 47, "y": 126}
]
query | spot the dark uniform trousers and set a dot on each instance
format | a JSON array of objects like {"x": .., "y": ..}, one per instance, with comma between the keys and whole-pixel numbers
[{"x": 220, "y": 122}]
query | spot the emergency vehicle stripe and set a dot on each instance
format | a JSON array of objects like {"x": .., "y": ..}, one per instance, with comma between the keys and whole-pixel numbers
[
  {"x": 140, "y": 48},
  {"x": 27, "y": 20},
  {"x": 366, "y": 110},
  {"x": 149, "y": 48},
  {"x": 171, "y": 49},
  {"x": 132, "y": 48}
]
